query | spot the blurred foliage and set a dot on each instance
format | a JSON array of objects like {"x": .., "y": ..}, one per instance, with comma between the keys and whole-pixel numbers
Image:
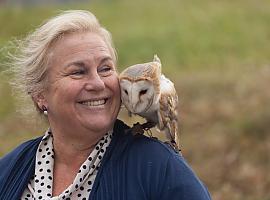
[
  {"x": 218, "y": 55},
  {"x": 185, "y": 34}
]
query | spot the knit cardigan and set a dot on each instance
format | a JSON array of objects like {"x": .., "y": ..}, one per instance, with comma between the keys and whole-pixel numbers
[{"x": 133, "y": 168}]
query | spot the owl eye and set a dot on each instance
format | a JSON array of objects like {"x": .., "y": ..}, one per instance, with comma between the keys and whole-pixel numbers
[
  {"x": 142, "y": 92},
  {"x": 126, "y": 92}
]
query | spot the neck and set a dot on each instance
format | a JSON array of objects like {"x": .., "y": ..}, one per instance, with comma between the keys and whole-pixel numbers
[
  {"x": 65, "y": 152},
  {"x": 75, "y": 148}
]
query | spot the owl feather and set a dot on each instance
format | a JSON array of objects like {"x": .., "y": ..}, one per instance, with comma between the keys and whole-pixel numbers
[{"x": 146, "y": 92}]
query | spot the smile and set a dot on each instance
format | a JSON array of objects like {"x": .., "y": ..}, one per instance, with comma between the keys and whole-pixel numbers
[{"x": 94, "y": 102}]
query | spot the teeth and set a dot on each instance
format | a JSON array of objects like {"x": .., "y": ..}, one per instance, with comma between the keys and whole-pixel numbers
[{"x": 94, "y": 103}]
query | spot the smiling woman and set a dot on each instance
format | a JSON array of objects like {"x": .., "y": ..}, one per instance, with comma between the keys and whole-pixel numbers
[
  {"x": 68, "y": 67},
  {"x": 83, "y": 92}
]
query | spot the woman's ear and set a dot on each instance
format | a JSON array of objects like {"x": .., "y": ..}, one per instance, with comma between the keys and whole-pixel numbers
[{"x": 40, "y": 100}]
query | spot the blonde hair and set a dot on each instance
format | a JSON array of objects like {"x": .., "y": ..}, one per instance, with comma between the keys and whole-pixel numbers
[{"x": 30, "y": 61}]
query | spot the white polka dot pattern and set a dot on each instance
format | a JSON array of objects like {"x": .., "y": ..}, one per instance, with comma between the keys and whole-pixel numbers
[{"x": 40, "y": 185}]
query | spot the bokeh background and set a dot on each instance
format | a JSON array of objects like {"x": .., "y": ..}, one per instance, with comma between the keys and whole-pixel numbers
[{"x": 217, "y": 52}]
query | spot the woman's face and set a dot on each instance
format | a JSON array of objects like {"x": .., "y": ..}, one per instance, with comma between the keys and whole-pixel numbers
[{"x": 83, "y": 89}]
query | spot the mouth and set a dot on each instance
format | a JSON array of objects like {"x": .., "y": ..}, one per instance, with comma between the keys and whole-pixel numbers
[{"x": 94, "y": 103}]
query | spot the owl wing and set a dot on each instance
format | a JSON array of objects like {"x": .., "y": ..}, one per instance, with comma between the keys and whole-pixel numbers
[{"x": 167, "y": 113}]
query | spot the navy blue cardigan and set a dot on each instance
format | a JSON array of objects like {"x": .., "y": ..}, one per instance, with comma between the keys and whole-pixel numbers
[{"x": 133, "y": 168}]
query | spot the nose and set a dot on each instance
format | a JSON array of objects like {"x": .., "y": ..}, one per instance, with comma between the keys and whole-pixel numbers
[{"x": 95, "y": 83}]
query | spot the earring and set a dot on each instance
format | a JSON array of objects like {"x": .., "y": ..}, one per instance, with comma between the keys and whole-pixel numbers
[{"x": 44, "y": 109}]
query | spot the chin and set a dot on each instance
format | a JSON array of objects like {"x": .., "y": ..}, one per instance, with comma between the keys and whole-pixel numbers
[
  {"x": 99, "y": 121},
  {"x": 100, "y": 124}
]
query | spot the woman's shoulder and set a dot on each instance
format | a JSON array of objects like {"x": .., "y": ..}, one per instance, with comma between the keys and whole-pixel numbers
[
  {"x": 143, "y": 146},
  {"x": 26, "y": 147},
  {"x": 151, "y": 147},
  {"x": 17, "y": 165},
  {"x": 154, "y": 160}
]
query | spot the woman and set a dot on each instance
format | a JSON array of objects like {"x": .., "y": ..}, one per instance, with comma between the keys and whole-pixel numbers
[{"x": 68, "y": 67}]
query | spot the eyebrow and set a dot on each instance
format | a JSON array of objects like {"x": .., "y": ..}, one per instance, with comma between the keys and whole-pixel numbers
[
  {"x": 106, "y": 58},
  {"x": 82, "y": 63},
  {"x": 76, "y": 63}
]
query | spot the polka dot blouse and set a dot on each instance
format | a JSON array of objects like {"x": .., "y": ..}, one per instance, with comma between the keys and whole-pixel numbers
[{"x": 40, "y": 185}]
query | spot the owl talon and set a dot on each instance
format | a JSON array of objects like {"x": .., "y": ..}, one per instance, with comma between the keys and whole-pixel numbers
[
  {"x": 173, "y": 145},
  {"x": 148, "y": 125},
  {"x": 137, "y": 129},
  {"x": 149, "y": 133}
]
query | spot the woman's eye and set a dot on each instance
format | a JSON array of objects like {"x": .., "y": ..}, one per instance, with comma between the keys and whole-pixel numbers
[
  {"x": 105, "y": 70},
  {"x": 77, "y": 72}
]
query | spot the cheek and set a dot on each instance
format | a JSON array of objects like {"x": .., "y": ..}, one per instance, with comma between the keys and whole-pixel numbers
[
  {"x": 113, "y": 84},
  {"x": 117, "y": 87},
  {"x": 63, "y": 91}
]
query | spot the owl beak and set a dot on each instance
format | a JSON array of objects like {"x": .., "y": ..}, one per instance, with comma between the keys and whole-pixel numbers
[{"x": 133, "y": 108}]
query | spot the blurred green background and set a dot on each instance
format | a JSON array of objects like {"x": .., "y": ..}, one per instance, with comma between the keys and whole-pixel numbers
[{"x": 218, "y": 55}]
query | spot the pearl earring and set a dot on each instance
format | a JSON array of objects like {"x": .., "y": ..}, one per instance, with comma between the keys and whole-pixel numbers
[{"x": 44, "y": 109}]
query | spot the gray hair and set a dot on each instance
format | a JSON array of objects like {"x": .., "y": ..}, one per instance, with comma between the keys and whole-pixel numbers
[{"x": 30, "y": 61}]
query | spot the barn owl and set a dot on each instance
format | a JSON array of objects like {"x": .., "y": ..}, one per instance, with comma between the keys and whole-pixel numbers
[{"x": 146, "y": 92}]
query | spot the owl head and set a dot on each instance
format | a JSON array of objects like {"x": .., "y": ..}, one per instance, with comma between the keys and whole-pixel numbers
[{"x": 140, "y": 86}]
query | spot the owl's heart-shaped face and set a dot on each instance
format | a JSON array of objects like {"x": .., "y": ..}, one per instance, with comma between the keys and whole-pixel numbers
[{"x": 137, "y": 96}]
